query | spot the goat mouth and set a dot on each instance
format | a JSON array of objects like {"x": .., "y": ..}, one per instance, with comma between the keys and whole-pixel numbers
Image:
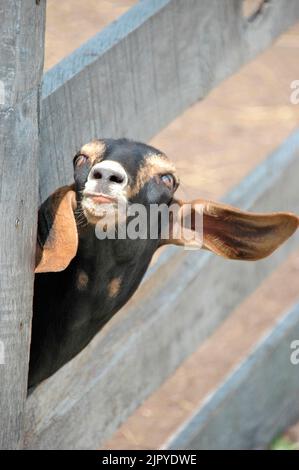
[
  {"x": 99, "y": 206},
  {"x": 100, "y": 198}
]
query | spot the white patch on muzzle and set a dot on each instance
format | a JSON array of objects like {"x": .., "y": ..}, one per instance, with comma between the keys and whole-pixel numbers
[{"x": 106, "y": 179}]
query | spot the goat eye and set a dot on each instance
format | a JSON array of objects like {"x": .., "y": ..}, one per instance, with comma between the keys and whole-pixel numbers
[
  {"x": 79, "y": 160},
  {"x": 168, "y": 180}
]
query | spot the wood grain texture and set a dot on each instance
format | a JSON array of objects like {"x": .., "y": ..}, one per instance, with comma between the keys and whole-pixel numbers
[
  {"x": 255, "y": 403},
  {"x": 21, "y": 64},
  {"x": 134, "y": 77},
  {"x": 183, "y": 299}
]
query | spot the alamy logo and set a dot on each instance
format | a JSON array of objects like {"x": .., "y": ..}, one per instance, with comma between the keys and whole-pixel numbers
[
  {"x": 294, "y": 358},
  {"x": 173, "y": 222},
  {"x": 2, "y": 353}
]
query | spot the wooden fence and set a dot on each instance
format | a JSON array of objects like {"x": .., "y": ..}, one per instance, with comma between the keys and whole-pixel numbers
[{"x": 131, "y": 80}]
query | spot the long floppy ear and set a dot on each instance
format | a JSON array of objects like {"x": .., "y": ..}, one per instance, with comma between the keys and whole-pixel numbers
[
  {"x": 57, "y": 236},
  {"x": 235, "y": 234}
]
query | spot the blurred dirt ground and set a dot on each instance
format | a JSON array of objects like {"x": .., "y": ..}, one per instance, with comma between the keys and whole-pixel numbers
[{"x": 215, "y": 143}]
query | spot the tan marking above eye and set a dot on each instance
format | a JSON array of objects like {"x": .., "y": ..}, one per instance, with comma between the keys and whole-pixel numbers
[
  {"x": 155, "y": 164},
  {"x": 114, "y": 287},
  {"x": 94, "y": 150}
]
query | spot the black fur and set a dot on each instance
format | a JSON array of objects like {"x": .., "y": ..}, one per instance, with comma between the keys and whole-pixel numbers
[{"x": 66, "y": 316}]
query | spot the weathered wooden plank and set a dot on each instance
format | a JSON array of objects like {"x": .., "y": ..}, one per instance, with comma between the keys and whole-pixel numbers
[
  {"x": 143, "y": 70},
  {"x": 21, "y": 63},
  {"x": 255, "y": 403},
  {"x": 182, "y": 300}
]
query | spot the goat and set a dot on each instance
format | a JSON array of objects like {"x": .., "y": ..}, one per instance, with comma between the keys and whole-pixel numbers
[{"x": 82, "y": 281}]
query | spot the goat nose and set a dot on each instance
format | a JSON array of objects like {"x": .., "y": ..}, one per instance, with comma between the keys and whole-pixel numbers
[
  {"x": 113, "y": 176},
  {"x": 110, "y": 172}
]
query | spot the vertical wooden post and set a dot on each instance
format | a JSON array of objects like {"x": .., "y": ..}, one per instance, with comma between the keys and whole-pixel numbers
[{"x": 21, "y": 65}]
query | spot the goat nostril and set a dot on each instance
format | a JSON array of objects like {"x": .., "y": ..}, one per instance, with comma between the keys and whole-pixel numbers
[
  {"x": 116, "y": 179},
  {"x": 97, "y": 175}
]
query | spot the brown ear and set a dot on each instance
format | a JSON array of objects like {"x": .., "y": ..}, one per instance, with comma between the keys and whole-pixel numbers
[
  {"x": 57, "y": 237},
  {"x": 235, "y": 234}
]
